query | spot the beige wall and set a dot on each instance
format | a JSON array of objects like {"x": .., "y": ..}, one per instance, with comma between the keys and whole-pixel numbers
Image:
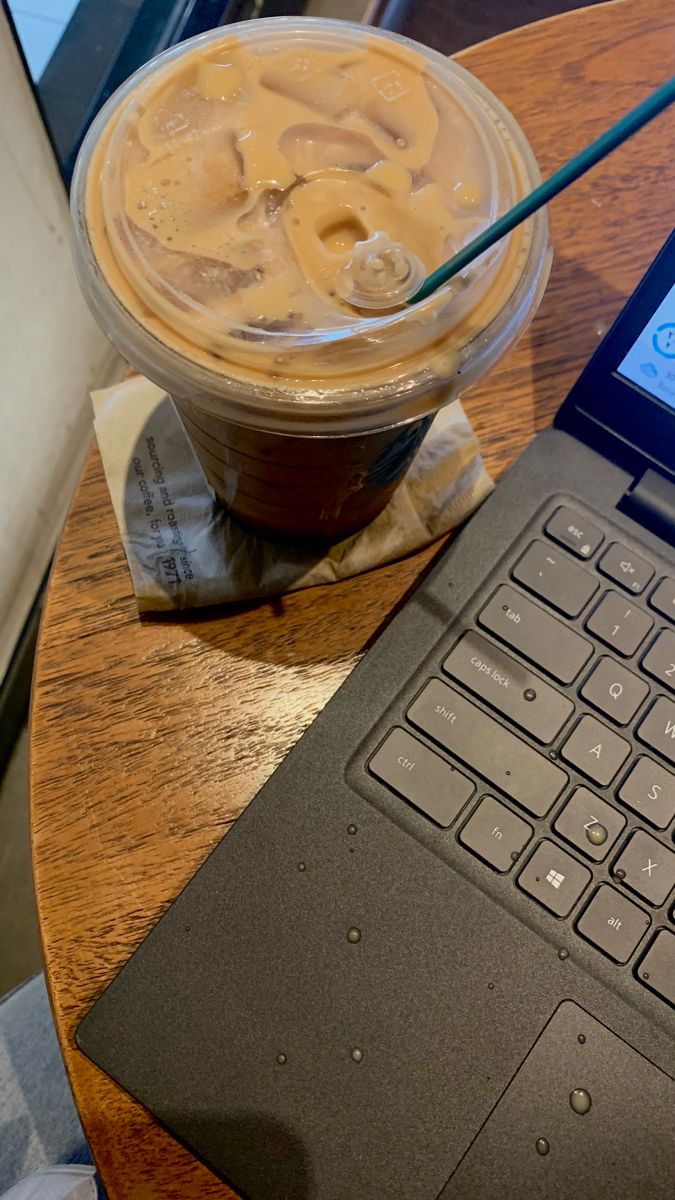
[{"x": 51, "y": 352}]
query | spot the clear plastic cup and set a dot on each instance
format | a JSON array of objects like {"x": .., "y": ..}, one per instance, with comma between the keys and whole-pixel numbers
[{"x": 217, "y": 202}]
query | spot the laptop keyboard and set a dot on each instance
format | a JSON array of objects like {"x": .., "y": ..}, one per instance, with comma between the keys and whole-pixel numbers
[{"x": 597, "y": 853}]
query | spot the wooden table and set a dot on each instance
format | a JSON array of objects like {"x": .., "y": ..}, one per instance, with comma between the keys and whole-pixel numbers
[{"x": 148, "y": 738}]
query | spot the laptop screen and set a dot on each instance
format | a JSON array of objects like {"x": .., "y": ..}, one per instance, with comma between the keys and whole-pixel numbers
[
  {"x": 624, "y": 401},
  {"x": 650, "y": 361}
]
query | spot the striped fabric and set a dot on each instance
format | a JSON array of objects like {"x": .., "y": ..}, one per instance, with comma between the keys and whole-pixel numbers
[{"x": 39, "y": 1126}]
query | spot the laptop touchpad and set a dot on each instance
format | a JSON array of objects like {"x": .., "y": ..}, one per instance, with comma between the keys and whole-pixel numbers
[{"x": 570, "y": 1122}]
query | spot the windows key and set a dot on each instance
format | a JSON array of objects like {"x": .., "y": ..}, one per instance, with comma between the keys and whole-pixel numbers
[{"x": 554, "y": 878}]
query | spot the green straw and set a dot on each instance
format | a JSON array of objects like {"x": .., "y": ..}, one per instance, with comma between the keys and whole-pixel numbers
[{"x": 541, "y": 195}]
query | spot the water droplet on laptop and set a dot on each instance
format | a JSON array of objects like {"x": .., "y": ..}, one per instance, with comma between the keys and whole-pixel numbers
[
  {"x": 530, "y": 694},
  {"x": 357, "y": 1055},
  {"x": 282, "y": 1060},
  {"x": 596, "y": 834},
  {"x": 580, "y": 1101},
  {"x": 620, "y": 873},
  {"x": 563, "y": 954},
  {"x": 515, "y": 855},
  {"x": 302, "y": 866},
  {"x": 542, "y": 1146},
  {"x": 581, "y": 1039},
  {"x": 352, "y": 829},
  {"x": 354, "y": 935},
  {"x": 491, "y": 987}
]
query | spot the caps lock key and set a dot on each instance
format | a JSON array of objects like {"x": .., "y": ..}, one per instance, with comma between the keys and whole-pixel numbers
[{"x": 508, "y": 686}]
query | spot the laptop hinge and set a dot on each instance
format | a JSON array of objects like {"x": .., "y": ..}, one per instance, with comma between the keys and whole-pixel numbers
[{"x": 651, "y": 502}]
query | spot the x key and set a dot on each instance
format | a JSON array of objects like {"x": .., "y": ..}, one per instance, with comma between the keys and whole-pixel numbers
[{"x": 648, "y": 868}]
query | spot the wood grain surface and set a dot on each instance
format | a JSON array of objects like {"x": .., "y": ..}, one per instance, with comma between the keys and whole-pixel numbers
[{"x": 149, "y": 737}]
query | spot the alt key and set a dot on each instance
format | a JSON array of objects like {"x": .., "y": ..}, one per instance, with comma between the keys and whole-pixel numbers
[{"x": 612, "y": 923}]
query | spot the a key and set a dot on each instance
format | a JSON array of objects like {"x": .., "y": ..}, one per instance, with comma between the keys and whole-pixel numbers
[
  {"x": 657, "y": 968},
  {"x": 659, "y": 661},
  {"x": 573, "y": 531},
  {"x": 562, "y": 583},
  {"x": 495, "y": 834},
  {"x": 657, "y": 729},
  {"x": 508, "y": 686},
  {"x": 596, "y": 750},
  {"x": 554, "y": 878},
  {"x": 508, "y": 763},
  {"x": 648, "y": 867},
  {"x": 540, "y": 637},
  {"x": 613, "y": 923},
  {"x": 650, "y": 791},
  {"x": 618, "y": 624},
  {"x": 614, "y": 690},
  {"x": 422, "y": 777},
  {"x": 663, "y": 598},
  {"x": 589, "y": 823},
  {"x": 628, "y": 569}
]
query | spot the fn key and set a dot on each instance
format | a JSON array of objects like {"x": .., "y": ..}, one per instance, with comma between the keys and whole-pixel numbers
[
  {"x": 495, "y": 834},
  {"x": 422, "y": 777}
]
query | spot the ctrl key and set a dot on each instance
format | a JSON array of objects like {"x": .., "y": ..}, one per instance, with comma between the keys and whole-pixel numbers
[
  {"x": 612, "y": 923},
  {"x": 422, "y": 777}
]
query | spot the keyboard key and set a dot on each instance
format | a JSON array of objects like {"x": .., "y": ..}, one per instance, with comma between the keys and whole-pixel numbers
[
  {"x": 495, "y": 834},
  {"x": 541, "y": 638},
  {"x": 659, "y": 661},
  {"x": 657, "y": 969},
  {"x": 508, "y": 763},
  {"x": 508, "y": 686},
  {"x": 562, "y": 583},
  {"x": 663, "y": 598},
  {"x": 595, "y": 750},
  {"x": 422, "y": 777},
  {"x": 650, "y": 791},
  {"x": 618, "y": 624},
  {"x": 649, "y": 867},
  {"x": 613, "y": 923},
  {"x": 554, "y": 878},
  {"x": 573, "y": 531},
  {"x": 590, "y": 824},
  {"x": 614, "y": 690},
  {"x": 658, "y": 728},
  {"x": 628, "y": 569}
]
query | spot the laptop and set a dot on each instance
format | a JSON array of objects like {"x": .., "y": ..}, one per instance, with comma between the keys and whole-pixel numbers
[{"x": 435, "y": 957}]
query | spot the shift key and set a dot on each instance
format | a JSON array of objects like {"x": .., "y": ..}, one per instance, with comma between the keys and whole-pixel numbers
[
  {"x": 470, "y": 735},
  {"x": 547, "y": 642}
]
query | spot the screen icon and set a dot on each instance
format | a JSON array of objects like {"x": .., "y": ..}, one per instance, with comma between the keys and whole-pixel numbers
[{"x": 663, "y": 339}]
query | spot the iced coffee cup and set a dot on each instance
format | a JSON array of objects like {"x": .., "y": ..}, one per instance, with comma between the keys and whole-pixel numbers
[{"x": 221, "y": 201}]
